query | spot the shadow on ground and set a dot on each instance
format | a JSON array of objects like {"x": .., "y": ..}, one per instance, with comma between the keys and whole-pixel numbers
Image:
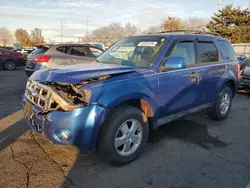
[
  {"x": 183, "y": 130},
  {"x": 12, "y": 133}
]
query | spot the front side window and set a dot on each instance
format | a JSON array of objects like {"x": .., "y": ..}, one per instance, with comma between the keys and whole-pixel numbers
[
  {"x": 133, "y": 51},
  {"x": 95, "y": 52},
  {"x": 78, "y": 51},
  {"x": 208, "y": 52},
  {"x": 185, "y": 50}
]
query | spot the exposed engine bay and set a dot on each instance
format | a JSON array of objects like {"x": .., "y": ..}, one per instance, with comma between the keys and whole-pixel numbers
[{"x": 59, "y": 96}]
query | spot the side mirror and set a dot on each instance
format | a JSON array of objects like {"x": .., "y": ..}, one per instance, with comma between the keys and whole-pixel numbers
[{"x": 173, "y": 63}]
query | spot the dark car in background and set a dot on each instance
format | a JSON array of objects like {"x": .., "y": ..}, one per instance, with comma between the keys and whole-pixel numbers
[
  {"x": 7, "y": 47},
  {"x": 243, "y": 63},
  {"x": 48, "y": 56},
  {"x": 244, "y": 79},
  {"x": 9, "y": 60}
]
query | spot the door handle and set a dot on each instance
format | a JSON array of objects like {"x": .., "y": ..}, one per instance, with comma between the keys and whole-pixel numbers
[
  {"x": 195, "y": 77},
  {"x": 194, "y": 74},
  {"x": 221, "y": 70}
]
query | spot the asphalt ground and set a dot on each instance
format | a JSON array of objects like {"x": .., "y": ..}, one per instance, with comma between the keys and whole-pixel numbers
[{"x": 194, "y": 152}]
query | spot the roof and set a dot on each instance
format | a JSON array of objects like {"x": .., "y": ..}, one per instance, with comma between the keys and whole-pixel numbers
[
  {"x": 69, "y": 44},
  {"x": 183, "y": 35}
]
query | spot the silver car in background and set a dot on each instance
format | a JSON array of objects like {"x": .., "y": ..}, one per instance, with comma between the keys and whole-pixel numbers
[{"x": 48, "y": 56}]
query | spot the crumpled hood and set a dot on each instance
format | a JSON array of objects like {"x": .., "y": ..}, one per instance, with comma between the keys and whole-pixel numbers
[{"x": 74, "y": 74}]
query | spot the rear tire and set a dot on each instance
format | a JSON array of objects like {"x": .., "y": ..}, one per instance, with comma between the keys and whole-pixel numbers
[
  {"x": 9, "y": 65},
  {"x": 222, "y": 105},
  {"x": 123, "y": 135}
]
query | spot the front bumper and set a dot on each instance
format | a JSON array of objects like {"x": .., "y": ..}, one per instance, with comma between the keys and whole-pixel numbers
[
  {"x": 244, "y": 84},
  {"x": 83, "y": 124}
]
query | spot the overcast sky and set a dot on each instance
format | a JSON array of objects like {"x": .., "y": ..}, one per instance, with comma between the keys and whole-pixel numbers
[{"x": 47, "y": 14}]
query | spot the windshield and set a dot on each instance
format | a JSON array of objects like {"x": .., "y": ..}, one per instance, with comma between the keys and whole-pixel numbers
[{"x": 133, "y": 51}]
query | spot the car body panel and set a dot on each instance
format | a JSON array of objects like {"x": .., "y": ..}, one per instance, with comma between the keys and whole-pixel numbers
[
  {"x": 6, "y": 54},
  {"x": 57, "y": 57},
  {"x": 84, "y": 128},
  {"x": 170, "y": 95},
  {"x": 244, "y": 80},
  {"x": 76, "y": 73}
]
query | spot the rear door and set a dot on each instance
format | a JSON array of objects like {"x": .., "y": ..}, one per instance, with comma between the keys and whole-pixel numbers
[
  {"x": 78, "y": 55},
  {"x": 211, "y": 69}
]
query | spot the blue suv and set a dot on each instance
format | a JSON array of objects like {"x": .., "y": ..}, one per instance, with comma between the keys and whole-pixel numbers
[{"x": 137, "y": 85}]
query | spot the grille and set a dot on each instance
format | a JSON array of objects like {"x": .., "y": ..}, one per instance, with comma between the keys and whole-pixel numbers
[
  {"x": 246, "y": 77},
  {"x": 38, "y": 94}
]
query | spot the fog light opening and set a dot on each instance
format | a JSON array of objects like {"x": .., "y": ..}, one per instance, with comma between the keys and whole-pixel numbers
[{"x": 62, "y": 135}]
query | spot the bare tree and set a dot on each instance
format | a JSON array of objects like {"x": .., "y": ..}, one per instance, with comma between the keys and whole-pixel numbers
[
  {"x": 36, "y": 36},
  {"x": 130, "y": 29},
  {"x": 5, "y": 36},
  {"x": 152, "y": 29},
  {"x": 23, "y": 37},
  {"x": 111, "y": 33},
  {"x": 195, "y": 23},
  {"x": 172, "y": 23}
]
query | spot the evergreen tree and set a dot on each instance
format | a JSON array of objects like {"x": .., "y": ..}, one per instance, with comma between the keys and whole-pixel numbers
[{"x": 232, "y": 23}]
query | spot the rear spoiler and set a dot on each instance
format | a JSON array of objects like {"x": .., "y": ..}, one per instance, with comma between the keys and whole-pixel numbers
[{"x": 43, "y": 45}]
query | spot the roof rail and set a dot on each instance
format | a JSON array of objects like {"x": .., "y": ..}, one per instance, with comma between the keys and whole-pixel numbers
[{"x": 190, "y": 32}]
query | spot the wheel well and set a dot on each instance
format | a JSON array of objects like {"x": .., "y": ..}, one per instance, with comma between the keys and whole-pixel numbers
[
  {"x": 142, "y": 105},
  {"x": 232, "y": 86},
  {"x": 9, "y": 60}
]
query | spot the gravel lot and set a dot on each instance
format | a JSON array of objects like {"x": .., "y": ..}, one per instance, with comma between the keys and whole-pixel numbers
[{"x": 190, "y": 153}]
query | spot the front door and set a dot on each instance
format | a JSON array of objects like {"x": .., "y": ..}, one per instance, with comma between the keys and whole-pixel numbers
[{"x": 179, "y": 89}]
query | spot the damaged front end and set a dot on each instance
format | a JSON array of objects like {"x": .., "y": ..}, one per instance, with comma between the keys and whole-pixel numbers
[
  {"x": 62, "y": 112},
  {"x": 59, "y": 96}
]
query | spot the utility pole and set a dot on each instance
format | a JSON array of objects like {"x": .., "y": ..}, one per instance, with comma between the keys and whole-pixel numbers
[
  {"x": 87, "y": 24},
  {"x": 219, "y": 5},
  {"x": 62, "y": 30}
]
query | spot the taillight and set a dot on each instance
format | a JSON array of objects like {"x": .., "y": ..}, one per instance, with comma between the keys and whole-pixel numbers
[
  {"x": 42, "y": 59},
  {"x": 238, "y": 70},
  {"x": 17, "y": 55}
]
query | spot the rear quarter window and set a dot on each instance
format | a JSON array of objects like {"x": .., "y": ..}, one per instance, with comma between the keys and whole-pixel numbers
[
  {"x": 208, "y": 52},
  {"x": 227, "y": 50},
  {"x": 62, "y": 49}
]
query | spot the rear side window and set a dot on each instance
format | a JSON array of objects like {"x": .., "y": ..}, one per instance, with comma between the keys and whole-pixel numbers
[
  {"x": 208, "y": 52},
  {"x": 227, "y": 50},
  {"x": 62, "y": 49},
  {"x": 79, "y": 51},
  {"x": 40, "y": 50}
]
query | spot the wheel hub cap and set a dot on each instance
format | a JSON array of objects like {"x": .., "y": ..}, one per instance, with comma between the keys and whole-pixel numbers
[
  {"x": 128, "y": 137},
  {"x": 9, "y": 65},
  {"x": 225, "y": 103}
]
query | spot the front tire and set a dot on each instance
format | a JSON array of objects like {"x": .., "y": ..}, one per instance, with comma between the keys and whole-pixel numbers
[
  {"x": 9, "y": 65},
  {"x": 123, "y": 135},
  {"x": 222, "y": 105}
]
